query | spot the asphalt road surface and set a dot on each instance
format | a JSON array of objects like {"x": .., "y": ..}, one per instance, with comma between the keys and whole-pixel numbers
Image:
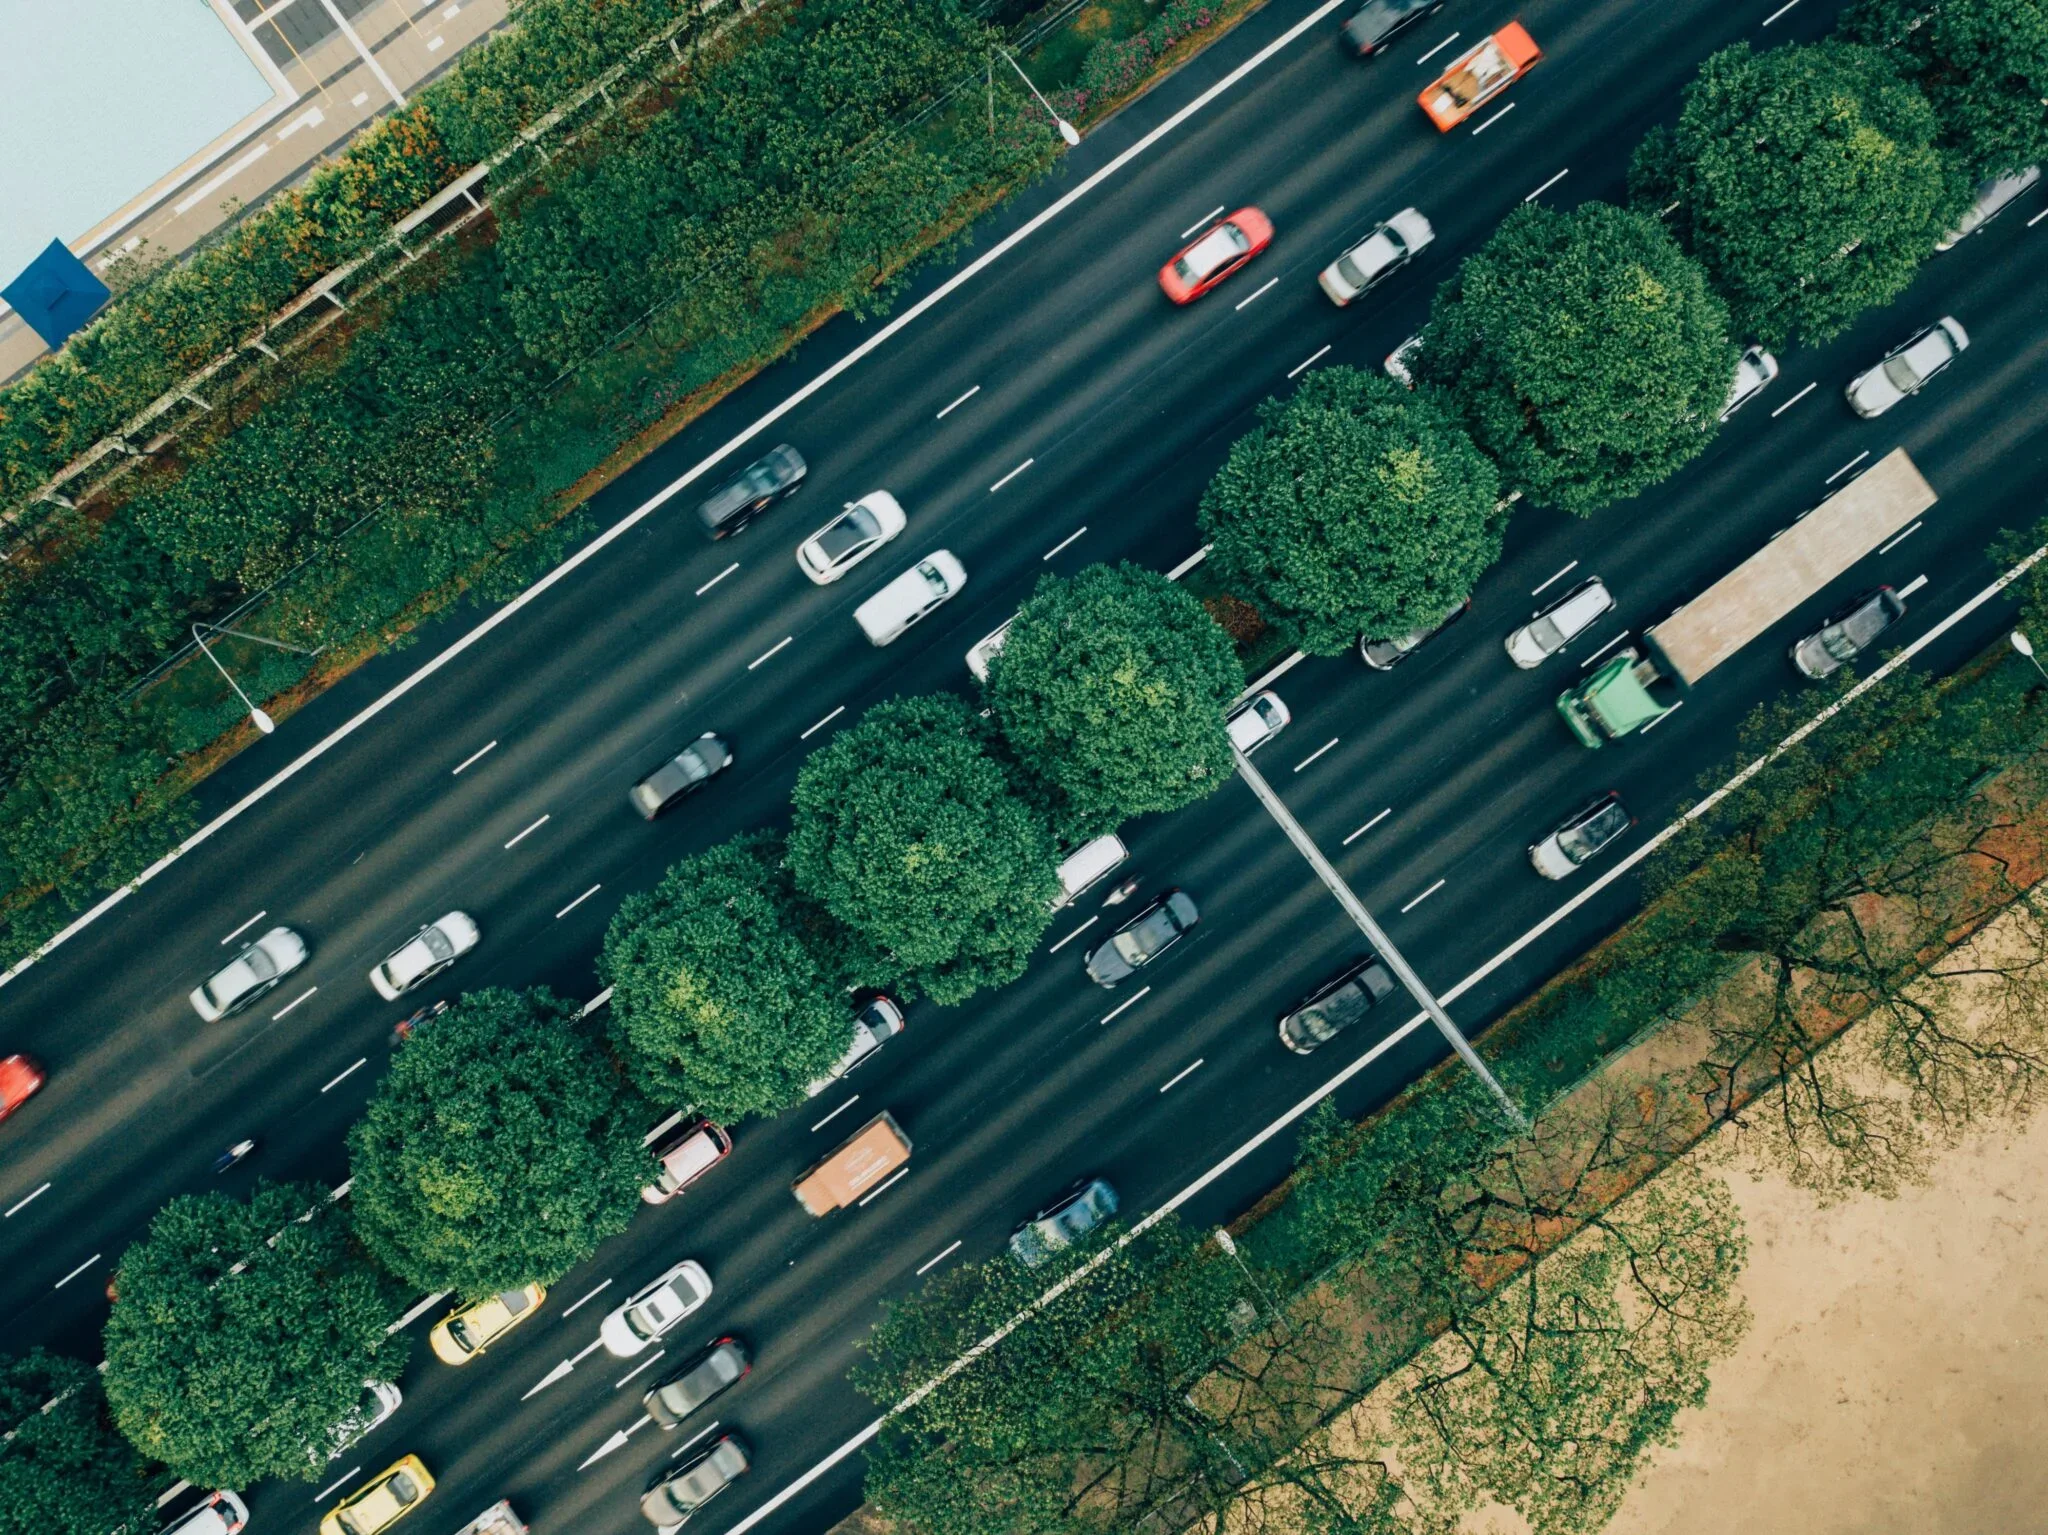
[{"x": 1424, "y": 785}]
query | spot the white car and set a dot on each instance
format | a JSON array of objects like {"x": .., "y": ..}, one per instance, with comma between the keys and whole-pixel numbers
[
  {"x": 381, "y": 1398},
  {"x": 1400, "y": 363},
  {"x": 1581, "y": 836},
  {"x": 987, "y": 648},
  {"x": 1753, "y": 370},
  {"x": 877, "y": 1022},
  {"x": 851, "y": 537},
  {"x": 424, "y": 955},
  {"x": 1257, "y": 720},
  {"x": 1993, "y": 198},
  {"x": 913, "y": 596},
  {"x": 656, "y": 1309},
  {"x": 251, "y": 973},
  {"x": 1559, "y": 624},
  {"x": 221, "y": 1514},
  {"x": 1907, "y": 367},
  {"x": 1385, "y": 251}
]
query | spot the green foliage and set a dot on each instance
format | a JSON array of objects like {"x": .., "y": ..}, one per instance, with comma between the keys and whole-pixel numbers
[
  {"x": 1983, "y": 65},
  {"x": 1115, "y": 66},
  {"x": 63, "y": 1468},
  {"x": 1111, "y": 686},
  {"x": 243, "y": 1333},
  {"x": 911, "y": 832},
  {"x": 1584, "y": 350},
  {"x": 729, "y": 991},
  {"x": 1354, "y": 508},
  {"x": 1807, "y": 182},
  {"x": 500, "y": 1149}
]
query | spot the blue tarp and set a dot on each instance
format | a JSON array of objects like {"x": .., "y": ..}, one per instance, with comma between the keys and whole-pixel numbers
[{"x": 56, "y": 294}]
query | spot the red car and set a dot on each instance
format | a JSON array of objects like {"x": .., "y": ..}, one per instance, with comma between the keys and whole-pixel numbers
[
  {"x": 1217, "y": 252},
  {"x": 19, "y": 1079}
]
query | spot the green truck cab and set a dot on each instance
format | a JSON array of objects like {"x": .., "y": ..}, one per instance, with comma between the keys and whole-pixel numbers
[{"x": 1615, "y": 701}]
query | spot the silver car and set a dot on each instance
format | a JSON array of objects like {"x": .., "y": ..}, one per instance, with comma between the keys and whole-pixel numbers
[
  {"x": 674, "y": 1496},
  {"x": 1559, "y": 624},
  {"x": 1379, "y": 255},
  {"x": 424, "y": 955},
  {"x": 1849, "y": 633},
  {"x": 1754, "y": 369},
  {"x": 1067, "y": 1220},
  {"x": 1581, "y": 836},
  {"x": 686, "y": 772},
  {"x": 1907, "y": 367},
  {"x": 1993, "y": 198},
  {"x": 250, "y": 974}
]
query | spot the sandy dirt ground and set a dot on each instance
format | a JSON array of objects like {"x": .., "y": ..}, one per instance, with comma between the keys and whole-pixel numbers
[{"x": 1895, "y": 1381}]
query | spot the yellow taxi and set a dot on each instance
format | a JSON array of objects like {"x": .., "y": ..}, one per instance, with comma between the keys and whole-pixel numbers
[
  {"x": 387, "y": 1498},
  {"x": 468, "y": 1330}
]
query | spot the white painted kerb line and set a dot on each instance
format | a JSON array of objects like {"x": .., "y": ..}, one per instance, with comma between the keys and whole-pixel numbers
[
  {"x": 675, "y": 487},
  {"x": 1781, "y": 10}
]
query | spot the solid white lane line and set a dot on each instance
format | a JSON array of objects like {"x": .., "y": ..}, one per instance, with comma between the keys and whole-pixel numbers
[
  {"x": 89, "y": 1262},
  {"x": 1538, "y": 592},
  {"x": 1076, "y": 933},
  {"x": 1553, "y": 181},
  {"x": 1190, "y": 1071},
  {"x": 735, "y": 565},
  {"x": 1781, "y": 10},
  {"x": 1596, "y": 655},
  {"x": 1305, "y": 761},
  {"x": 1056, "y": 548},
  {"x": 1503, "y": 112},
  {"x": 418, "y": 1311},
  {"x": 244, "y": 927},
  {"x": 295, "y": 1001},
  {"x": 1368, "y": 826},
  {"x": 1124, "y": 1007},
  {"x": 771, "y": 651},
  {"x": 536, "y": 826},
  {"x": 999, "y": 484},
  {"x": 1900, "y": 538},
  {"x": 1793, "y": 401},
  {"x": 1913, "y": 586},
  {"x": 875, "y": 1192},
  {"x": 1304, "y": 366},
  {"x": 1859, "y": 458},
  {"x": 828, "y": 719},
  {"x": 1250, "y": 296},
  {"x": 638, "y": 1368},
  {"x": 1439, "y": 48},
  {"x": 696, "y": 1438},
  {"x": 25, "y": 1201},
  {"x": 472, "y": 757},
  {"x": 587, "y": 1298},
  {"x": 339, "y": 1482},
  {"x": 958, "y": 403},
  {"x": 593, "y": 890},
  {"x": 337, "y": 1081},
  {"x": 675, "y": 487},
  {"x": 1432, "y": 890},
  {"x": 835, "y": 1113},
  {"x": 931, "y": 1263},
  {"x": 1204, "y": 220}
]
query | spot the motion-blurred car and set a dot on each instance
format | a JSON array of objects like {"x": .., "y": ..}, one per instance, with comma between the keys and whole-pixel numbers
[
  {"x": 773, "y": 477},
  {"x": 20, "y": 1080},
  {"x": 682, "y": 775},
  {"x": 381, "y": 1398},
  {"x": 1067, "y": 1220},
  {"x": 912, "y": 597},
  {"x": 219, "y": 1513},
  {"x": 1378, "y": 22},
  {"x": 1140, "y": 941},
  {"x": 710, "y": 1372},
  {"x": 1385, "y": 655},
  {"x": 424, "y": 955},
  {"x": 674, "y": 1495},
  {"x": 656, "y": 1307},
  {"x": 1907, "y": 367},
  {"x": 1559, "y": 624},
  {"x": 1257, "y": 720},
  {"x": 1581, "y": 836},
  {"x": 468, "y": 1330},
  {"x": 1853, "y": 630},
  {"x": 1478, "y": 75},
  {"x": 683, "y": 1155},
  {"x": 1218, "y": 252},
  {"x": 1337, "y": 1004},
  {"x": 253, "y": 973},
  {"x": 1400, "y": 363},
  {"x": 875, "y": 1022},
  {"x": 1993, "y": 198},
  {"x": 384, "y": 1500},
  {"x": 987, "y": 648},
  {"x": 1379, "y": 255},
  {"x": 857, "y": 532},
  {"x": 1753, "y": 370}
]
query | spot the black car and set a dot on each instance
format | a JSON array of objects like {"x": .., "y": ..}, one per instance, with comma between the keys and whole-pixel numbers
[
  {"x": 739, "y": 500},
  {"x": 689, "y": 770},
  {"x": 1385, "y": 655},
  {"x": 1849, "y": 633},
  {"x": 1336, "y": 1005},
  {"x": 1144, "y": 938},
  {"x": 709, "y": 1373},
  {"x": 1378, "y": 22}
]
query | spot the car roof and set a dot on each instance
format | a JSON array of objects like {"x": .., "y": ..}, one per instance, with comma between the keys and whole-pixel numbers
[
  {"x": 1929, "y": 351},
  {"x": 1218, "y": 246}
]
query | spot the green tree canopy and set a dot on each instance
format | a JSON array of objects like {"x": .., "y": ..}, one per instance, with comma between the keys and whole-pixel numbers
[
  {"x": 243, "y": 1334},
  {"x": 1983, "y": 65},
  {"x": 1584, "y": 350},
  {"x": 1806, "y": 180},
  {"x": 911, "y": 832},
  {"x": 1354, "y": 508},
  {"x": 66, "y": 1471},
  {"x": 500, "y": 1149},
  {"x": 1111, "y": 686},
  {"x": 728, "y": 989}
]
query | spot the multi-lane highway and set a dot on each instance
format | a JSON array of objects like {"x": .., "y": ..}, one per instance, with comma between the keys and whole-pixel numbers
[{"x": 1061, "y": 360}]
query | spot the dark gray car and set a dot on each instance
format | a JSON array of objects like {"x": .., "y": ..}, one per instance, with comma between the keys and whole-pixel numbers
[
  {"x": 1385, "y": 655},
  {"x": 1061, "y": 1224},
  {"x": 684, "y": 773},
  {"x": 741, "y": 499},
  {"x": 707, "y": 1374},
  {"x": 1379, "y": 22},
  {"x": 1144, "y": 938},
  {"x": 1849, "y": 633},
  {"x": 1337, "y": 1004},
  {"x": 675, "y": 1495}
]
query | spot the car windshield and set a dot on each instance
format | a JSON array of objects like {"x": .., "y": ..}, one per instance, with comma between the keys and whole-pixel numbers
[
  {"x": 1595, "y": 832},
  {"x": 848, "y": 533},
  {"x": 464, "y": 1340},
  {"x": 1220, "y": 246},
  {"x": 437, "y": 943}
]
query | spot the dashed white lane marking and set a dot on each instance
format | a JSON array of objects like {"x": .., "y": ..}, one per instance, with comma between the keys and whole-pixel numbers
[
  {"x": 1305, "y": 761},
  {"x": 1266, "y": 287},
  {"x": 770, "y": 651},
  {"x": 2043, "y": 214},
  {"x": 536, "y": 826},
  {"x": 295, "y": 1001},
  {"x": 1368, "y": 826},
  {"x": 1596, "y": 655},
  {"x": 593, "y": 890},
  {"x": 1912, "y": 586},
  {"x": 1553, "y": 181},
  {"x": 694, "y": 1439},
  {"x": 25, "y": 1201},
  {"x": 958, "y": 403},
  {"x": 1886, "y": 548},
  {"x": 638, "y": 1368},
  {"x": 1439, "y": 48},
  {"x": 468, "y": 761},
  {"x": 1184, "y": 1075},
  {"x": 1503, "y": 112},
  {"x": 1076, "y": 933},
  {"x": 999, "y": 484},
  {"x": 1302, "y": 367},
  {"x": 1203, "y": 221},
  {"x": 587, "y": 1298},
  {"x": 1124, "y": 1007},
  {"x": 1781, "y": 10},
  {"x": 1432, "y": 890},
  {"x": 828, "y": 719},
  {"x": 1056, "y": 548},
  {"x": 244, "y": 927},
  {"x": 337, "y": 1081},
  {"x": 1660, "y": 719},
  {"x": 1793, "y": 401},
  {"x": 89, "y": 1262},
  {"x": 932, "y": 1263},
  {"x": 337, "y": 1484},
  {"x": 1538, "y": 592},
  {"x": 875, "y": 1192},
  {"x": 835, "y": 1113},
  {"x": 735, "y": 565},
  {"x": 1859, "y": 458}
]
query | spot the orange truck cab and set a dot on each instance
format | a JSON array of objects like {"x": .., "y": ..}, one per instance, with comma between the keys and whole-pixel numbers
[
  {"x": 1478, "y": 75},
  {"x": 863, "y": 1164}
]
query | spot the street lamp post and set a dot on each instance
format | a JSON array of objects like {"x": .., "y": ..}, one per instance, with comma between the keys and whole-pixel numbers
[
  {"x": 2025, "y": 647},
  {"x": 1067, "y": 130},
  {"x": 257, "y": 717},
  {"x": 1225, "y": 1241}
]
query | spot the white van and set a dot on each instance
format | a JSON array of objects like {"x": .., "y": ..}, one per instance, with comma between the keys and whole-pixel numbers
[
  {"x": 933, "y": 580},
  {"x": 1089, "y": 864}
]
